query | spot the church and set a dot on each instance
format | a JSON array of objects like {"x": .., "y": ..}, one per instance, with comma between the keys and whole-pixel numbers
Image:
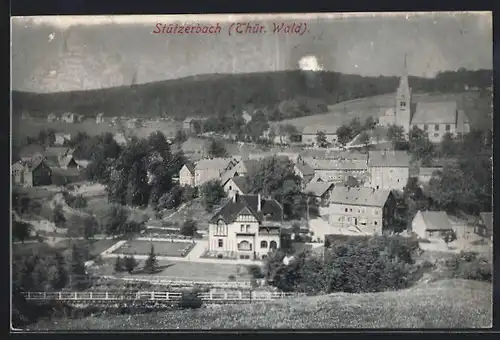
[{"x": 435, "y": 118}]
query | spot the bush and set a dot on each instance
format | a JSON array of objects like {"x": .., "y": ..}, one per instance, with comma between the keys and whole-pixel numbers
[
  {"x": 470, "y": 266},
  {"x": 190, "y": 299},
  {"x": 188, "y": 228},
  {"x": 119, "y": 265},
  {"x": 231, "y": 277},
  {"x": 355, "y": 265},
  {"x": 255, "y": 271}
]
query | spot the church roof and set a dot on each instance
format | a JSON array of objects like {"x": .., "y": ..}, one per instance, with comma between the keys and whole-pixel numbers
[{"x": 436, "y": 113}]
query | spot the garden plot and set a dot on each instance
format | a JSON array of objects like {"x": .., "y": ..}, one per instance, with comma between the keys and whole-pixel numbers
[{"x": 163, "y": 248}]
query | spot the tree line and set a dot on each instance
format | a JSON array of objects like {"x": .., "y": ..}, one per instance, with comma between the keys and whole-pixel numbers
[{"x": 228, "y": 93}]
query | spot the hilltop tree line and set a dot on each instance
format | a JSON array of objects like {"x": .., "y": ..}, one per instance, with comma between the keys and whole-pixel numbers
[{"x": 229, "y": 93}]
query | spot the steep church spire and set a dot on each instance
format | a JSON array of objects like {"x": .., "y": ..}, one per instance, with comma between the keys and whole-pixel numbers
[{"x": 404, "y": 87}]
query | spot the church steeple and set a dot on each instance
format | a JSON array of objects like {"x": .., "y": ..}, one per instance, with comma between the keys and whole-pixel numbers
[
  {"x": 403, "y": 100},
  {"x": 404, "y": 87}
]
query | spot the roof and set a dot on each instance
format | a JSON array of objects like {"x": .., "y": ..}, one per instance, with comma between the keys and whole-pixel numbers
[
  {"x": 429, "y": 171},
  {"x": 57, "y": 151},
  {"x": 33, "y": 164},
  {"x": 336, "y": 164},
  {"x": 188, "y": 120},
  {"x": 359, "y": 196},
  {"x": 333, "y": 154},
  {"x": 190, "y": 167},
  {"x": 487, "y": 218},
  {"x": 213, "y": 163},
  {"x": 270, "y": 209},
  {"x": 247, "y": 167},
  {"x": 242, "y": 183},
  {"x": 436, "y": 220},
  {"x": 305, "y": 169},
  {"x": 31, "y": 150},
  {"x": 389, "y": 158},
  {"x": 318, "y": 189},
  {"x": 435, "y": 113},
  {"x": 67, "y": 114}
]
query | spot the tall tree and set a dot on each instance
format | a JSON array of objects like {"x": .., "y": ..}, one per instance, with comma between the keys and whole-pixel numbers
[
  {"x": 321, "y": 140},
  {"x": 370, "y": 123},
  {"x": 420, "y": 146},
  {"x": 58, "y": 216},
  {"x": 212, "y": 194},
  {"x": 21, "y": 230},
  {"x": 151, "y": 263},
  {"x": 448, "y": 145},
  {"x": 344, "y": 134},
  {"x": 216, "y": 148}
]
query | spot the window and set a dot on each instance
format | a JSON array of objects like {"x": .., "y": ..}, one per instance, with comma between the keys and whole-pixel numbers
[
  {"x": 273, "y": 245},
  {"x": 375, "y": 223},
  {"x": 426, "y": 127},
  {"x": 402, "y": 104},
  {"x": 247, "y": 228},
  {"x": 242, "y": 228},
  {"x": 244, "y": 245},
  {"x": 350, "y": 209},
  {"x": 345, "y": 209},
  {"x": 230, "y": 187},
  {"x": 221, "y": 228},
  {"x": 436, "y": 135},
  {"x": 436, "y": 127},
  {"x": 448, "y": 127},
  {"x": 263, "y": 244},
  {"x": 348, "y": 219},
  {"x": 220, "y": 243}
]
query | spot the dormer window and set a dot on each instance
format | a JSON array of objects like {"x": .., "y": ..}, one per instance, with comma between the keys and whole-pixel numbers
[{"x": 402, "y": 104}]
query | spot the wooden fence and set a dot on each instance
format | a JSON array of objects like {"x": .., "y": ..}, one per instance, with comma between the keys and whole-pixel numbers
[{"x": 210, "y": 297}]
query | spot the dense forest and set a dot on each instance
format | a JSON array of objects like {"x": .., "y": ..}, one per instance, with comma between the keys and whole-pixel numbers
[{"x": 208, "y": 95}]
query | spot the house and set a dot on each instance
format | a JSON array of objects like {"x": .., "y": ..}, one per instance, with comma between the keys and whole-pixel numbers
[
  {"x": 68, "y": 117},
  {"x": 246, "y": 117},
  {"x": 32, "y": 173},
  {"x": 247, "y": 227},
  {"x": 435, "y": 118},
  {"x": 431, "y": 224},
  {"x": 187, "y": 124},
  {"x": 389, "y": 169},
  {"x": 186, "y": 175},
  {"x": 238, "y": 185},
  {"x": 337, "y": 170},
  {"x": 211, "y": 169},
  {"x": 310, "y": 133},
  {"x": 241, "y": 168},
  {"x": 305, "y": 172},
  {"x": 120, "y": 138},
  {"x": 425, "y": 173},
  {"x": 485, "y": 226},
  {"x": 62, "y": 138},
  {"x": 60, "y": 157},
  {"x": 321, "y": 191},
  {"x": 52, "y": 117},
  {"x": 29, "y": 151},
  {"x": 99, "y": 119},
  {"x": 133, "y": 123},
  {"x": 363, "y": 210},
  {"x": 79, "y": 118}
]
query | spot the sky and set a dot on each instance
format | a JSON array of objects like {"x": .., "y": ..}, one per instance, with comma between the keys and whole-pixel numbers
[{"x": 65, "y": 53}]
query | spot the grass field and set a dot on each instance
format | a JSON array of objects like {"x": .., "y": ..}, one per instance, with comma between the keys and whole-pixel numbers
[
  {"x": 187, "y": 270},
  {"x": 136, "y": 247},
  {"x": 341, "y": 113},
  {"x": 444, "y": 304}
]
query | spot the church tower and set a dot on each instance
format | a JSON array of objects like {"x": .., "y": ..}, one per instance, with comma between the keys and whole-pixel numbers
[{"x": 403, "y": 101}]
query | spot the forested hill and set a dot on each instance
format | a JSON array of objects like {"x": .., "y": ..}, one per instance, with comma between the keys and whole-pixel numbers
[{"x": 208, "y": 95}]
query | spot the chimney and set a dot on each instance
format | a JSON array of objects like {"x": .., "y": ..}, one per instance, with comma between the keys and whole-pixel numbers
[{"x": 259, "y": 203}]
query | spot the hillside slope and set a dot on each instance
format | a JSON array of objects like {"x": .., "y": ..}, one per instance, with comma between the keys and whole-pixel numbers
[
  {"x": 209, "y": 95},
  {"x": 443, "y": 304}
]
